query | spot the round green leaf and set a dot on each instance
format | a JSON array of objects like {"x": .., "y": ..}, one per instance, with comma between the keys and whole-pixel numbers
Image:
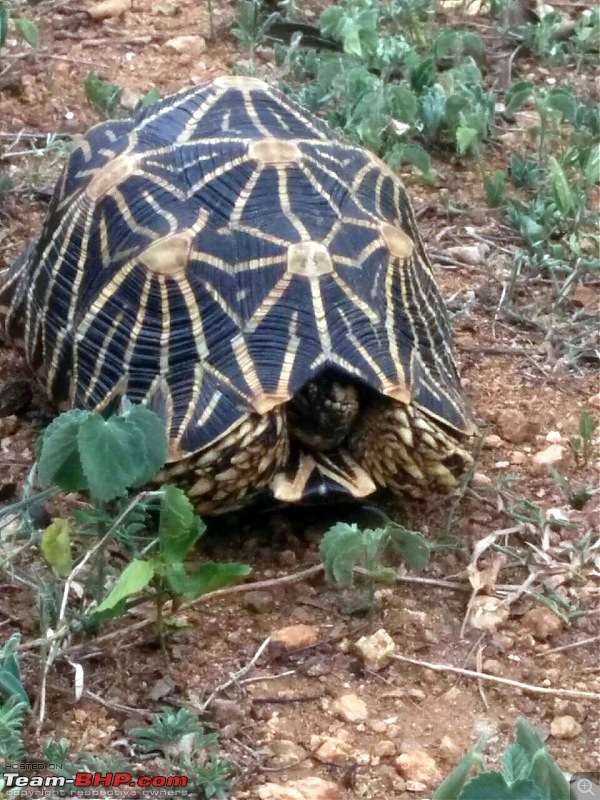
[
  {"x": 517, "y": 95},
  {"x": 56, "y": 546},
  {"x": 352, "y": 44},
  {"x": 411, "y": 545},
  {"x": 152, "y": 431},
  {"x": 179, "y": 527},
  {"x": 341, "y": 549},
  {"x": 58, "y": 453},
  {"x": 410, "y": 154},
  {"x": 113, "y": 455}
]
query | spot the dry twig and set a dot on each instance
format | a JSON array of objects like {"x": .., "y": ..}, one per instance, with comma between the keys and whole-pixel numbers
[
  {"x": 234, "y": 677},
  {"x": 484, "y": 676}
]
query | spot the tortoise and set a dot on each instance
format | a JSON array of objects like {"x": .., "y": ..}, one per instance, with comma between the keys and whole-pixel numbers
[{"x": 259, "y": 281}]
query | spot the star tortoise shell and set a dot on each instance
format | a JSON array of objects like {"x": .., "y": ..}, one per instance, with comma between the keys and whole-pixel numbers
[{"x": 229, "y": 260}]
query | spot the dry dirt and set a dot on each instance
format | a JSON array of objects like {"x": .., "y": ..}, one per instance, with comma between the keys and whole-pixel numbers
[{"x": 518, "y": 393}]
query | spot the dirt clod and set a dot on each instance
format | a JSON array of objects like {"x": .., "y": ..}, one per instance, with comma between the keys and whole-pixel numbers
[
  {"x": 190, "y": 45},
  {"x": 515, "y": 427},
  {"x": 469, "y": 254},
  {"x": 550, "y": 457},
  {"x": 384, "y": 748},
  {"x": 488, "y": 613},
  {"x": 448, "y": 748},
  {"x": 492, "y": 441},
  {"x": 571, "y": 708},
  {"x": 493, "y": 667},
  {"x": 260, "y": 602},
  {"x": 227, "y": 712},
  {"x": 542, "y": 623}
]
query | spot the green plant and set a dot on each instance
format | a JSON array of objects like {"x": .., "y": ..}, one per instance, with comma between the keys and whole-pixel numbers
[
  {"x": 14, "y": 703},
  {"x": 179, "y": 745},
  {"x": 551, "y": 212},
  {"x": 582, "y": 444},
  {"x": 398, "y": 89},
  {"x": 251, "y": 24},
  {"x": 560, "y": 40},
  {"x": 528, "y": 773},
  {"x": 178, "y": 531},
  {"x": 182, "y": 740},
  {"x": 105, "y": 97},
  {"x": 346, "y": 549},
  {"x": 577, "y": 496},
  {"x": 104, "y": 459},
  {"x": 549, "y": 35},
  {"x": 25, "y": 27}
]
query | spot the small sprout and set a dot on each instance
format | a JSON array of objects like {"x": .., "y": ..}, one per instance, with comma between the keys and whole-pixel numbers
[
  {"x": 346, "y": 549},
  {"x": 104, "y": 96},
  {"x": 495, "y": 188},
  {"x": 582, "y": 445}
]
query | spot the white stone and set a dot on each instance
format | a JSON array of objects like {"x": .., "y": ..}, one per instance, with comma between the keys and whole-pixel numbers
[
  {"x": 419, "y": 766},
  {"x": 351, "y": 708},
  {"x": 376, "y": 650},
  {"x": 565, "y": 727}
]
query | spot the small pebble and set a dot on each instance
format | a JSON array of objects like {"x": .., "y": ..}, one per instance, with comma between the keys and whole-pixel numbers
[
  {"x": 492, "y": 441},
  {"x": 108, "y": 8},
  {"x": 493, "y": 667},
  {"x": 190, "y": 44},
  {"x": 286, "y": 753},
  {"x": 376, "y": 650},
  {"x": 294, "y": 637},
  {"x": 550, "y": 457},
  {"x": 333, "y": 751},
  {"x": 350, "y": 708},
  {"x": 419, "y": 766},
  {"x": 565, "y": 727},
  {"x": 488, "y": 613}
]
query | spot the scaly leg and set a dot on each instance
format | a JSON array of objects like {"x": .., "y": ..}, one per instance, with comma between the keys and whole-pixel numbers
[{"x": 402, "y": 449}]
